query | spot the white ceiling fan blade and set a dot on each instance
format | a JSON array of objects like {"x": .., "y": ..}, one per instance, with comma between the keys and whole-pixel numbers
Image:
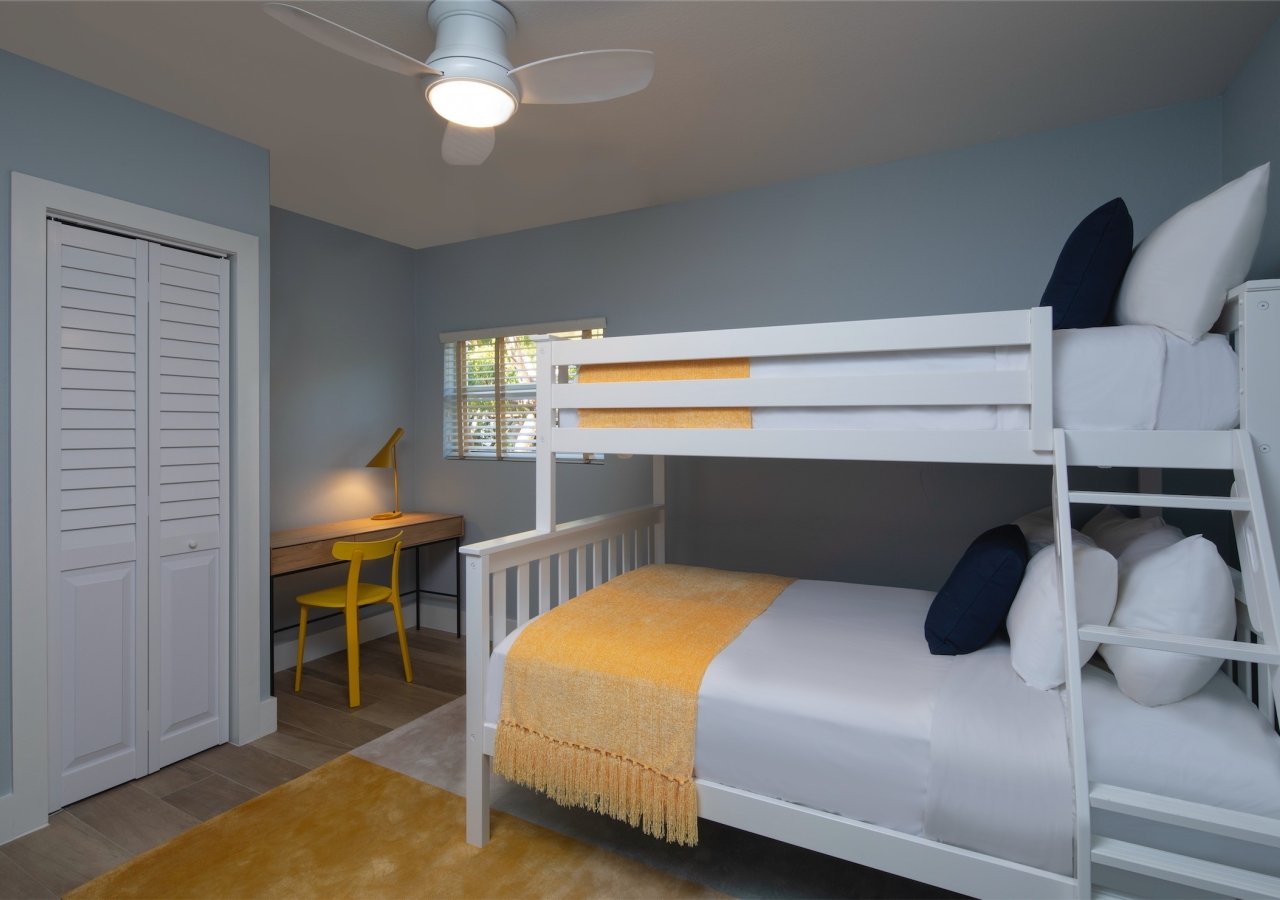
[
  {"x": 464, "y": 146},
  {"x": 585, "y": 77},
  {"x": 344, "y": 40}
]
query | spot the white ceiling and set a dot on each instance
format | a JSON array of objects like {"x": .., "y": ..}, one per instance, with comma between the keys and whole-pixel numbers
[{"x": 746, "y": 93}]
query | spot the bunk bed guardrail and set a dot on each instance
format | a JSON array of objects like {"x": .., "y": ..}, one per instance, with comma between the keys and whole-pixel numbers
[{"x": 1015, "y": 330}]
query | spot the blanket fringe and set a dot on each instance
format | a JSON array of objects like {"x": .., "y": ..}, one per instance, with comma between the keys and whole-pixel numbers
[{"x": 621, "y": 788}]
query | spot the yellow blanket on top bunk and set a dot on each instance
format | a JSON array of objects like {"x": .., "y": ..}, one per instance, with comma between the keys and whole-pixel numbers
[
  {"x": 600, "y": 695},
  {"x": 682, "y": 417}
]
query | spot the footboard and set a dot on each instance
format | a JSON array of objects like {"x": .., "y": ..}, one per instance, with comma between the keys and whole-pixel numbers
[{"x": 510, "y": 580}]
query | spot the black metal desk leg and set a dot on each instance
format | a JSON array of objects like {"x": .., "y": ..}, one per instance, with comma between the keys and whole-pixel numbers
[
  {"x": 417, "y": 588},
  {"x": 457, "y": 581}
]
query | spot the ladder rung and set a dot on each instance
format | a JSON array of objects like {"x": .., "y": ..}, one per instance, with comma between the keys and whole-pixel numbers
[
  {"x": 1181, "y": 643},
  {"x": 1186, "y": 814},
  {"x": 1164, "y": 501},
  {"x": 1185, "y": 870}
]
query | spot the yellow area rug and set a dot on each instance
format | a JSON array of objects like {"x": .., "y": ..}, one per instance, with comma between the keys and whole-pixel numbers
[{"x": 355, "y": 829}]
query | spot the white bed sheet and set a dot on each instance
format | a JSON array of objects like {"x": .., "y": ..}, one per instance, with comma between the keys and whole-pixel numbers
[
  {"x": 830, "y": 699},
  {"x": 1125, "y": 377}
]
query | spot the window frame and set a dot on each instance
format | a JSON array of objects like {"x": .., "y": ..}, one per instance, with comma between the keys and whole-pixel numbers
[{"x": 454, "y": 396}]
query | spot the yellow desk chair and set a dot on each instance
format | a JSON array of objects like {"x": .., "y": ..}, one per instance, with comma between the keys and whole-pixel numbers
[{"x": 350, "y": 598}]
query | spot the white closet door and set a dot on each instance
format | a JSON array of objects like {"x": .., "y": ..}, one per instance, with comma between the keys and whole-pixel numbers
[
  {"x": 189, "y": 626},
  {"x": 97, "y": 284}
]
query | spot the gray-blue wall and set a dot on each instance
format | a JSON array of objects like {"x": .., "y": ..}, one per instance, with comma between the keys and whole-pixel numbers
[
  {"x": 59, "y": 128},
  {"x": 1251, "y": 136},
  {"x": 342, "y": 369},
  {"x": 342, "y": 353},
  {"x": 975, "y": 229}
]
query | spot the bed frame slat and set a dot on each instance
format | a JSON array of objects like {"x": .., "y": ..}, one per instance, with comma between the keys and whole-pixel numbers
[
  {"x": 522, "y": 593},
  {"x": 562, "y": 577},
  {"x": 1009, "y": 328},
  {"x": 544, "y": 585},
  {"x": 1010, "y": 388},
  {"x": 498, "y": 608}
]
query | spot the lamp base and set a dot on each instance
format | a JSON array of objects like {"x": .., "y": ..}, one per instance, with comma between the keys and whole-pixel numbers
[{"x": 387, "y": 515}]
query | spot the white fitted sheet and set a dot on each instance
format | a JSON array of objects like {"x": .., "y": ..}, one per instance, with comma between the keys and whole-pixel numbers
[
  {"x": 830, "y": 699},
  {"x": 1123, "y": 377}
]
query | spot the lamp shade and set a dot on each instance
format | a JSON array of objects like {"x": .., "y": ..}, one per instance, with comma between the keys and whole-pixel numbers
[{"x": 385, "y": 458}]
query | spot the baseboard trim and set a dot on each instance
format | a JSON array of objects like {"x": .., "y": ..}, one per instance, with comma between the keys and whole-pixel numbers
[{"x": 380, "y": 624}]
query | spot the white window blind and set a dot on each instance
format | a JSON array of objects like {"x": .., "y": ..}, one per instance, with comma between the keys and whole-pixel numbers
[{"x": 490, "y": 389}]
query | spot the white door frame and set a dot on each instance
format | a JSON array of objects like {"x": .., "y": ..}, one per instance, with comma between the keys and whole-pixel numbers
[{"x": 25, "y": 809}]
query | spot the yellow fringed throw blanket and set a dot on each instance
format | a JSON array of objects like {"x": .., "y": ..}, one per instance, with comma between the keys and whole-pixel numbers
[
  {"x": 600, "y": 695},
  {"x": 681, "y": 417}
]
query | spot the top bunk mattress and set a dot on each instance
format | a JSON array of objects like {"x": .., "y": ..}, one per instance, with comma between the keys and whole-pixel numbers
[{"x": 1124, "y": 377}]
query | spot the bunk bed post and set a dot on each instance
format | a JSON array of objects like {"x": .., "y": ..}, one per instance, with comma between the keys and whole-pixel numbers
[
  {"x": 1253, "y": 312},
  {"x": 477, "y": 602},
  {"x": 660, "y": 500},
  {"x": 1071, "y": 637},
  {"x": 1258, "y": 568},
  {"x": 1040, "y": 364},
  {"x": 545, "y": 459}
]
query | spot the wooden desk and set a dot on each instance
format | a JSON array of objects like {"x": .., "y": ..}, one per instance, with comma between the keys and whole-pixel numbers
[{"x": 302, "y": 549}]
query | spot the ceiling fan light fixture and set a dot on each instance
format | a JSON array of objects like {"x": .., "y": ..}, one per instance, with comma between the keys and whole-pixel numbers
[{"x": 471, "y": 102}]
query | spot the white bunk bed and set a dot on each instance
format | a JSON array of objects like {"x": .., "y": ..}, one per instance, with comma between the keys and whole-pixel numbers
[{"x": 534, "y": 571}]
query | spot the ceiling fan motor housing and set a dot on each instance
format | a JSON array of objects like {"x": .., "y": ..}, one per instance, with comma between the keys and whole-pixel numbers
[{"x": 471, "y": 42}]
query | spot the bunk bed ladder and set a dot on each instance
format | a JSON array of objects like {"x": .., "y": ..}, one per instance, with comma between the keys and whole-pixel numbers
[{"x": 1257, "y": 645}]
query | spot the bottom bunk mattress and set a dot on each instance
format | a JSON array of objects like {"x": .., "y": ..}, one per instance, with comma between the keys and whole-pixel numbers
[{"x": 831, "y": 699}]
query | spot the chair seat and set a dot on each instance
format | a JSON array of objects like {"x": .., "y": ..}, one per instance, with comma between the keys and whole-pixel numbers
[{"x": 336, "y": 597}]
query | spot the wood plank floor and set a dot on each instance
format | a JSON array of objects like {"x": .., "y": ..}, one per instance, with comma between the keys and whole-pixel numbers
[{"x": 314, "y": 726}]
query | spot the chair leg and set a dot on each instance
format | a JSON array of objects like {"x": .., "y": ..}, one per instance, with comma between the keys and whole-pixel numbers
[
  {"x": 353, "y": 657},
  {"x": 302, "y": 639},
  {"x": 404, "y": 643}
]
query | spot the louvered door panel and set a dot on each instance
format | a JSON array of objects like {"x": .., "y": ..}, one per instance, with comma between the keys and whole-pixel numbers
[
  {"x": 188, "y": 501},
  {"x": 97, "y": 289},
  {"x": 189, "y": 397}
]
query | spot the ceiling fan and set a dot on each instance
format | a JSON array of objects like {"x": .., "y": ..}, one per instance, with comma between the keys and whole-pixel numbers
[{"x": 468, "y": 79}]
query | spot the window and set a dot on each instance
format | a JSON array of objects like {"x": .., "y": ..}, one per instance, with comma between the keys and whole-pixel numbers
[{"x": 490, "y": 389}]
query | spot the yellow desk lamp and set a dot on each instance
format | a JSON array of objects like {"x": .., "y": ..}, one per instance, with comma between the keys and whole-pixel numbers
[{"x": 386, "y": 459}]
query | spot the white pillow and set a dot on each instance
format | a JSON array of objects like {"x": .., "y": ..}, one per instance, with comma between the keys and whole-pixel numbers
[
  {"x": 1179, "y": 276},
  {"x": 1113, "y": 531},
  {"x": 1035, "y": 619},
  {"x": 1037, "y": 528},
  {"x": 1149, "y": 542},
  {"x": 1182, "y": 589}
]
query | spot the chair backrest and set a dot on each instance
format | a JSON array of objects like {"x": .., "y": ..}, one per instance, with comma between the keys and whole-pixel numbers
[
  {"x": 360, "y": 552},
  {"x": 367, "y": 550}
]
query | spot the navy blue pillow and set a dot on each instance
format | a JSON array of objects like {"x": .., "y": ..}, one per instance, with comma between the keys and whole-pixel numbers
[
  {"x": 1090, "y": 268},
  {"x": 972, "y": 605}
]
